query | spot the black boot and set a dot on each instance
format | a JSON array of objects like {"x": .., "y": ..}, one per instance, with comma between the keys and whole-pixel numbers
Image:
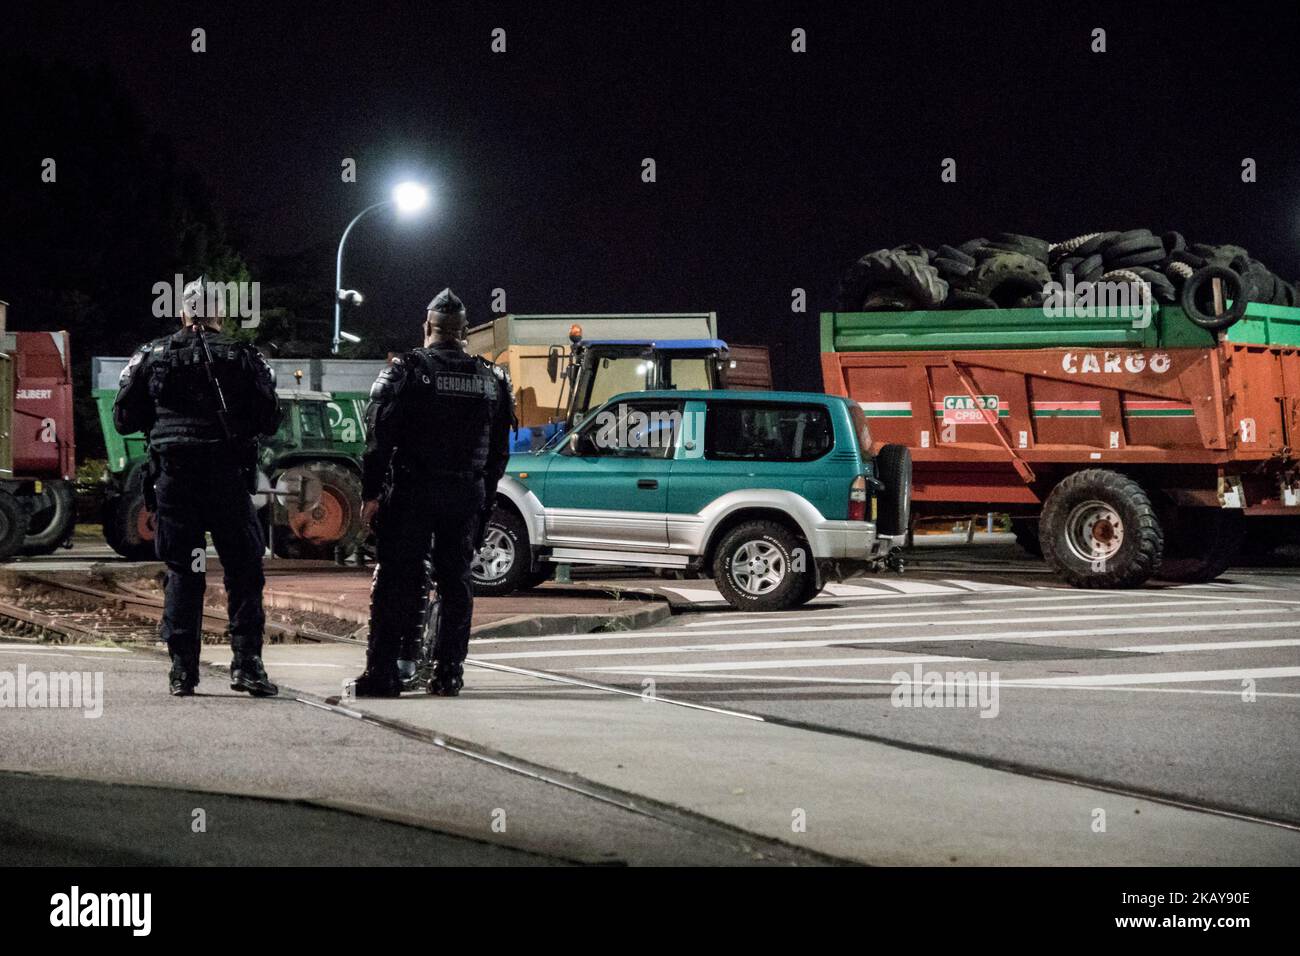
[
  {"x": 248, "y": 675},
  {"x": 379, "y": 679},
  {"x": 184, "y": 676},
  {"x": 447, "y": 679}
]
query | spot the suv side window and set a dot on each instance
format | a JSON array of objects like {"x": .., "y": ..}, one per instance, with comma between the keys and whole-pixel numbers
[
  {"x": 745, "y": 431},
  {"x": 628, "y": 430}
]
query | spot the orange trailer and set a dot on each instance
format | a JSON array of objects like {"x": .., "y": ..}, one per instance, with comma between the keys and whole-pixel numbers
[{"x": 1143, "y": 450}]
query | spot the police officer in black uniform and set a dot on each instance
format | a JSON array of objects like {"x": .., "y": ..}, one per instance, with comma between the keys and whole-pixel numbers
[
  {"x": 202, "y": 469},
  {"x": 436, "y": 447}
]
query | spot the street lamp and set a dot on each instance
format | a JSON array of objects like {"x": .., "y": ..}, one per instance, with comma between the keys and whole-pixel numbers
[{"x": 409, "y": 198}]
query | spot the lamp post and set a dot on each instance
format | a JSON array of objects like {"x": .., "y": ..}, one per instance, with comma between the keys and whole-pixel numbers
[{"x": 408, "y": 198}]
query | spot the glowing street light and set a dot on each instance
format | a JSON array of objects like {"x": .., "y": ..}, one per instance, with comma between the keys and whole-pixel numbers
[{"x": 408, "y": 198}]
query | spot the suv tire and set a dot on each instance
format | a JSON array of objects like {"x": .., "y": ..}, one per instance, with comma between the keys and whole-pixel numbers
[
  {"x": 753, "y": 567},
  {"x": 502, "y": 565}
]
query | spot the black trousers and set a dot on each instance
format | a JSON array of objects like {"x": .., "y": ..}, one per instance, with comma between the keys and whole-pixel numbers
[
  {"x": 433, "y": 520},
  {"x": 203, "y": 490}
]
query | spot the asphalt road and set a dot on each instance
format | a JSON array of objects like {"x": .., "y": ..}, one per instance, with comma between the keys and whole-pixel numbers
[
  {"x": 1177, "y": 707},
  {"x": 1145, "y": 690}
]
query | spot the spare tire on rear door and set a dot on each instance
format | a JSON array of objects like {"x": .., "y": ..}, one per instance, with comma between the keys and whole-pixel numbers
[
  {"x": 1099, "y": 530},
  {"x": 894, "y": 504}
]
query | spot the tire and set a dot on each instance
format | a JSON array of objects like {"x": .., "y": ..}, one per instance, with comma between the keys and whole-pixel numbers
[
  {"x": 1090, "y": 269},
  {"x": 53, "y": 519},
  {"x": 1025, "y": 245},
  {"x": 1099, "y": 530},
  {"x": 952, "y": 270},
  {"x": 13, "y": 525},
  {"x": 953, "y": 254},
  {"x": 1094, "y": 244},
  {"x": 1199, "y": 286},
  {"x": 1008, "y": 277},
  {"x": 502, "y": 566},
  {"x": 891, "y": 278},
  {"x": 1200, "y": 544},
  {"x": 894, "y": 504},
  {"x": 753, "y": 567},
  {"x": 333, "y": 521},
  {"x": 1026, "y": 532},
  {"x": 128, "y": 524}
]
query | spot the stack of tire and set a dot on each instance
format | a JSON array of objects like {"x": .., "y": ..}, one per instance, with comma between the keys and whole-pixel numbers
[{"x": 1011, "y": 271}]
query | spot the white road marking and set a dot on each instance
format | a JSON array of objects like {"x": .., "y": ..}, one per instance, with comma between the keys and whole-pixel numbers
[
  {"x": 799, "y": 644},
  {"x": 985, "y": 585},
  {"x": 697, "y": 595},
  {"x": 870, "y": 625},
  {"x": 61, "y": 648},
  {"x": 1211, "y": 646},
  {"x": 807, "y": 679},
  {"x": 809, "y": 662},
  {"x": 877, "y": 615},
  {"x": 1169, "y": 677},
  {"x": 917, "y": 587},
  {"x": 303, "y": 664},
  {"x": 839, "y": 589}
]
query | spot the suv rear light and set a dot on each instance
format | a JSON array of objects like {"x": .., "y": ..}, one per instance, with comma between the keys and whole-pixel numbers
[{"x": 858, "y": 499}]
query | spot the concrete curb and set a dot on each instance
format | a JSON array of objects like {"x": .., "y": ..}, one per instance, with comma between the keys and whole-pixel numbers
[{"x": 646, "y": 610}]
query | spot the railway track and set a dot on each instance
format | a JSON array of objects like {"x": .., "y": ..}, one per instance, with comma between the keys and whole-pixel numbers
[{"x": 69, "y": 612}]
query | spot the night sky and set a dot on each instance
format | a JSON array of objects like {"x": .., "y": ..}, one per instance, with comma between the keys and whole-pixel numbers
[{"x": 774, "y": 168}]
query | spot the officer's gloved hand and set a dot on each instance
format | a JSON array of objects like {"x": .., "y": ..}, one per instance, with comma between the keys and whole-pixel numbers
[{"x": 480, "y": 536}]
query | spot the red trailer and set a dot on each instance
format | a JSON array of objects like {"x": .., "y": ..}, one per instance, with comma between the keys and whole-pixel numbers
[
  {"x": 1141, "y": 451},
  {"x": 37, "y": 446}
]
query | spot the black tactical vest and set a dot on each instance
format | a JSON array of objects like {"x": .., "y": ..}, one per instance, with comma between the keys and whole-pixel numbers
[
  {"x": 184, "y": 397},
  {"x": 447, "y": 403}
]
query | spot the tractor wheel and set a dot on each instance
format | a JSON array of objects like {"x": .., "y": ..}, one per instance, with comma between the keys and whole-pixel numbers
[
  {"x": 128, "y": 525},
  {"x": 52, "y": 520},
  {"x": 316, "y": 529},
  {"x": 13, "y": 525},
  {"x": 1100, "y": 530}
]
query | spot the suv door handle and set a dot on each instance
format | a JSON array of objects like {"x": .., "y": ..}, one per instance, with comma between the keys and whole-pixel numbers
[{"x": 648, "y": 483}]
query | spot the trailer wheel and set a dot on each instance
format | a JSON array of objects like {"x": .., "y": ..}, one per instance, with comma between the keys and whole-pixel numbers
[
  {"x": 1100, "y": 530},
  {"x": 1197, "y": 297},
  {"x": 53, "y": 519},
  {"x": 1200, "y": 544},
  {"x": 1026, "y": 532},
  {"x": 894, "y": 505},
  {"x": 13, "y": 525}
]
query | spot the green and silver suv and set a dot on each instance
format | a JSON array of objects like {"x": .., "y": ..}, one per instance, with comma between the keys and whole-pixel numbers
[{"x": 770, "y": 493}]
